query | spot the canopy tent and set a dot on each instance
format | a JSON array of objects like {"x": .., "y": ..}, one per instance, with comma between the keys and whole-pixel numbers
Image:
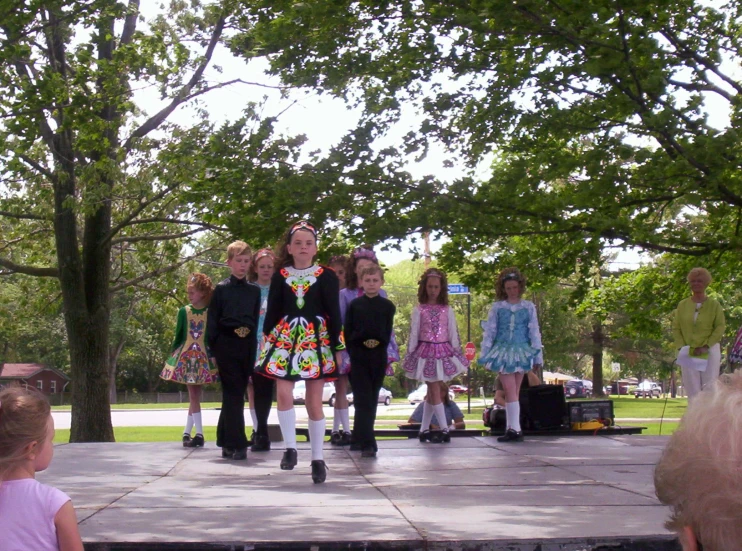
[{"x": 556, "y": 378}]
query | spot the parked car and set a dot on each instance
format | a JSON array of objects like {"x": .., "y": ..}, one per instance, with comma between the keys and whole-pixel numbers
[
  {"x": 418, "y": 395},
  {"x": 458, "y": 389},
  {"x": 328, "y": 393},
  {"x": 385, "y": 397},
  {"x": 578, "y": 388},
  {"x": 648, "y": 389}
]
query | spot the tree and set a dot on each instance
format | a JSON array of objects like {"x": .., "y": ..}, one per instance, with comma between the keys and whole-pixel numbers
[
  {"x": 98, "y": 195},
  {"x": 596, "y": 114}
]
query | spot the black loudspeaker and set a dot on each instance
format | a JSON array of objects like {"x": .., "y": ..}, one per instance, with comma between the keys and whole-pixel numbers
[{"x": 543, "y": 407}]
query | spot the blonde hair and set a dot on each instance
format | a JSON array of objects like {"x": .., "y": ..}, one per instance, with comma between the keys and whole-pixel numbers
[
  {"x": 698, "y": 475},
  {"x": 24, "y": 415},
  {"x": 237, "y": 248},
  {"x": 702, "y": 272}
]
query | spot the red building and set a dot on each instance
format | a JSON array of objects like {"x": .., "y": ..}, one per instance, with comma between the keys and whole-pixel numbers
[{"x": 46, "y": 379}]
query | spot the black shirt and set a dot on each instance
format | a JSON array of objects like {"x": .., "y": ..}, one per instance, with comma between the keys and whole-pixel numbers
[
  {"x": 235, "y": 303},
  {"x": 369, "y": 318}
]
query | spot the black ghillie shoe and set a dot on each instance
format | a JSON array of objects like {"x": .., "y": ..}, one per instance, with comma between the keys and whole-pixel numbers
[
  {"x": 511, "y": 436},
  {"x": 445, "y": 437},
  {"x": 436, "y": 436},
  {"x": 346, "y": 438},
  {"x": 335, "y": 438},
  {"x": 289, "y": 459},
  {"x": 227, "y": 453},
  {"x": 261, "y": 444},
  {"x": 239, "y": 455},
  {"x": 368, "y": 452},
  {"x": 186, "y": 440},
  {"x": 319, "y": 471},
  {"x": 424, "y": 436},
  {"x": 196, "y": 442},
  {"x": 251, "y": 440}
]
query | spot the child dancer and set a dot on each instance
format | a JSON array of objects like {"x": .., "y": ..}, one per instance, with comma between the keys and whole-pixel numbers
[
  {"x": 231, "y": 333},
  {"x": 190, "y": 361},
  {"x": 368, "y": 326},
  {"x": 303, "y": 339},
  {"x": 363, "y": 257},
  {"x": 434, "y": 350},
  {"x": 259, "y": 388},
  {"x": 339, "y": 265},
  {"x": 511, "y": 344},
  {"x": 32, "y": 515}
]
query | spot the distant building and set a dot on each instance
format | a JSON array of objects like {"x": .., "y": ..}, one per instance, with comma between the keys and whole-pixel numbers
[{"x": 46, "y": 379}]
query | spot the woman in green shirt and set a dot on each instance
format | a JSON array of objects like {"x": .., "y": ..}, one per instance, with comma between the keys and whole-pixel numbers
[{"x": 698, "y": 324}]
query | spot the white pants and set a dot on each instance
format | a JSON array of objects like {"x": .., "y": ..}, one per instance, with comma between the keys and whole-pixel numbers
[{"x": 695, "y": 381}]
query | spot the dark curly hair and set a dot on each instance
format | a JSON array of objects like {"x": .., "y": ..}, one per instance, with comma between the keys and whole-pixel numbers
[
  {"x": 364, "y": 252},
  {"x": 509, "y": 274},
  {"x": 422, "y": 291}
]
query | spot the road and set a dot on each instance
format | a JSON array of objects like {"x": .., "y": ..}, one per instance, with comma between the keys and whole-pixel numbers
[{"x": 176, "y": 417}]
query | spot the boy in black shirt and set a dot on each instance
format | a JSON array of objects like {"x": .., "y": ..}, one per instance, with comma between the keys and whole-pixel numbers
[
  {"x": 231, "y": 333},
  {"x": 368, "y": 329}
]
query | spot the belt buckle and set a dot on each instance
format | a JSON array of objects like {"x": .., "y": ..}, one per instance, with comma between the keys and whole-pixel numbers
[
  {"x": 242, "y": 332},
  {"x": 371, "y": 343}
]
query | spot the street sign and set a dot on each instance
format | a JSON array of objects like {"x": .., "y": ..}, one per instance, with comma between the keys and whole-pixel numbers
[
  {"x": 470, "y": 351},
  {"x": 457, "y": 289}
]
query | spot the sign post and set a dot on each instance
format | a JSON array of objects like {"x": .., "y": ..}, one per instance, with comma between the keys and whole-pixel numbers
[
  {"x": 470, "y": 351},
  {"x": 460, "y": 289}
]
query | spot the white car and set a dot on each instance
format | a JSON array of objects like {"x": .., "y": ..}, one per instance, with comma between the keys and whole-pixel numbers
[
  {"x": 300, "y": 392},
  {"x": 418, "y": 395},
  {"x": 385, "y": 397}
]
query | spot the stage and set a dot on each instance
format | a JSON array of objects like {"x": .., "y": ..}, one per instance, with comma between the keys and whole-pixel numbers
[{"x": 545, "y": 493}]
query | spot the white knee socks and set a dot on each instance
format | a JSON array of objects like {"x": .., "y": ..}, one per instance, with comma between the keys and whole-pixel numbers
[
  {"x": 427, "y": 416},
  {"x": 198, "y": 423},
  {"x": 336, "y": 420},
  {"x": 189, "y": 425},
  {"x": 287, "y": 421},
  {"x": 254, "y": 417},
  {"x": 317, "y": 437},
  {"x": 345, "y": 418},
  {"x": 512, "y": 413},
  {"x": 440, "y": 415}
]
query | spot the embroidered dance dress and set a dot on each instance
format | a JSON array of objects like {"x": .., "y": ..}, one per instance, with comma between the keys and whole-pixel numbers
[
  {"x": 392, "y": 351},
  {"x": 305, "y": 327},
  {"x": 512, "y": 339},
  {"x": 264, "y": 289},
  {"x": 190, "y": 362},
  {"x": 434, "y": 349}
]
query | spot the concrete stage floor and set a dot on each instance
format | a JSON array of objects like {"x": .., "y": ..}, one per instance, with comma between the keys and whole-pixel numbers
[{"x": 544, "y": 493}]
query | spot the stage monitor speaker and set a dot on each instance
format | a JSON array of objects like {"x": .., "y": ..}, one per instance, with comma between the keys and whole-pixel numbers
[{"x": 543, "y": 407}]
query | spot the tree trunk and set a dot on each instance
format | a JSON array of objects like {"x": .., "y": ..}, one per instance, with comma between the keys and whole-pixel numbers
[{"x": 598, "y": 343}]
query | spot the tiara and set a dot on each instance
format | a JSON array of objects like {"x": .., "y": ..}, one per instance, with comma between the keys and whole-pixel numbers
[
  {"x": 368, "y": 254},
  {"x": 263, "y": 253},
  {"x": 302, "y": 225}
]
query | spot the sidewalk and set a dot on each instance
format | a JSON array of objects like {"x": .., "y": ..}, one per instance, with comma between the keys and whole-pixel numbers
[{"x": 465, "y": 494}]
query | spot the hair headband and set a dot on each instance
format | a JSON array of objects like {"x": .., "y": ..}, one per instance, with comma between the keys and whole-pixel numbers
[
  {"x": 510, "y": 276},
  {"x": 368, "y": 254},
  {"x": 263, "y": 253},
  {"x": 303, "y": 225}
]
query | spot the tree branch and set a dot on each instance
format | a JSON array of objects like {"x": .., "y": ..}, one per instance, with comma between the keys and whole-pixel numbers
[
  {"x": 156, "y": 120},
  {"x": 22, "y": 216},
  {"x": 203, "y": 225},
  {"x": 130, "y": 24},
  {"x": 164, "y": 237},
  {"x": 132, "y": 215},
  {"x": 157, "y": 272},
  {"x": 28, "y": 270},
  {"x": 38, "y": 167}
]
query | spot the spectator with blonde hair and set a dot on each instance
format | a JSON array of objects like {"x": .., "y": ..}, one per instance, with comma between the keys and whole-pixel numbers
[
  {"x": 697, "y": 326},
  {"x": 698, "y": 473}
]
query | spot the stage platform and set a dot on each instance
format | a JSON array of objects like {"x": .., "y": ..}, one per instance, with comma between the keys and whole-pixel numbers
[{"x": 546, "y": 493}]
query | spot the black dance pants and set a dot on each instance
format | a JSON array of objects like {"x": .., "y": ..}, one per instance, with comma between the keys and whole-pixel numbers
[
  {"x": 367, "y": 376},
  {"x": 235, "y": 358},
  {"x": 263, "y": 390}
]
